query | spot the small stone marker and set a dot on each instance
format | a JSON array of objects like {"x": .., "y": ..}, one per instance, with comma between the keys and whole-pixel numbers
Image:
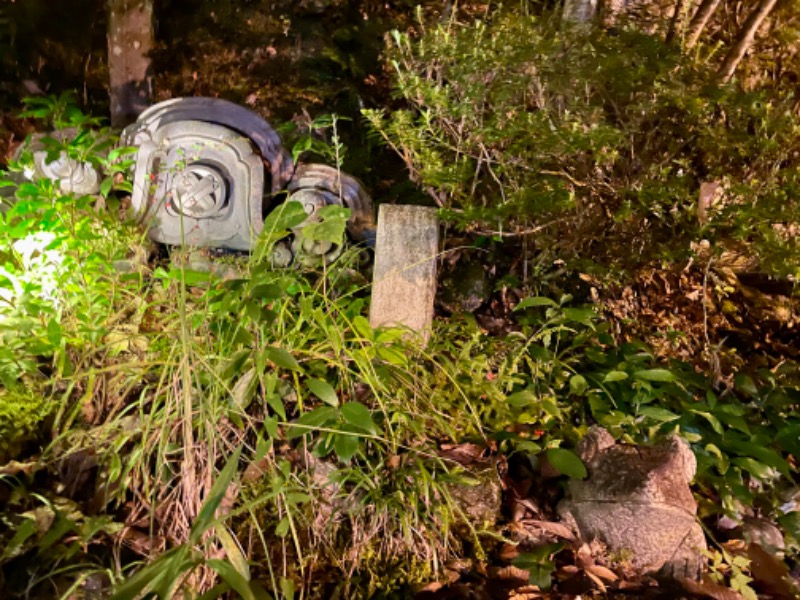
[{"x": 404, "y": 280}]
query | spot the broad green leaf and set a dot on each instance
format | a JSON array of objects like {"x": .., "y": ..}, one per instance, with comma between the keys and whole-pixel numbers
[
  {"x": 233, "y": 552},
  {"x": 578, "y": 384},
  {"x": 345, "y": 446},
  {"x": 394, "y": 355},
  {"x": 284, "y": 217},
  {"x": 362, "y": 327},
  {"x": 232, "y": 577},
  {"x": 757, "y": 469},
  {"x": 205, "y": 518},
  {"x": 282, "y": 528},
  {"x": 54, "y": 333},
  {"x": 788, "y": 438},
  {"x": 297, "y": 498},
  {"x": 300, "y": 146},
  {"x": 322, "y": 417},
  {"x": 662, "y": 375},
  {"x": 266, "y": 291},
  {"x": 522, "y": 399},
  {"x": 658, "y": 414},
  {"x": 244, "y": 389},
  {"x": 277, "y": 225},
  {"x": 188, "y": 277},
  {"x": 566, "y": 462},
  {"x": 324, "y": 391},
  {"x": 715, "y": 424},
  {"x": 331, "y": 227},
  {"x": 585, "y": 316},
  {"x": 275, "y": 402},
  {"x": 358, "y": 415},
  {"x": 746, "y": 384},
  {"x": 535, "y": 301},
  {"x": 106, "y": 186},
  {"x": 766, "y": 455},
  {"x": 613, "y": 376},
  {"x": 731, "y": 415},
  {"x": 539, "y": 564},
  {"x": 271, "y": 426},
  {"x": 287, "y": 588},
  {"x": 790, "y": 523},
  {"x": 282, "y": 358},
  {"x": 237, "y": 363}
]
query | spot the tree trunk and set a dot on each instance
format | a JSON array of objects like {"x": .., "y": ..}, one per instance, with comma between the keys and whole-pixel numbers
[
  {"x": 744, "y": 39},
  {"x": 675, "y": 24},
  {"x": 699, "y": 21},
  {"x": 130, "y": 39}
]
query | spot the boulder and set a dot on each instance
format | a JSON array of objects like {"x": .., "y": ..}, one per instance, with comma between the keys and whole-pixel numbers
[{"x": 637, "y": 501}]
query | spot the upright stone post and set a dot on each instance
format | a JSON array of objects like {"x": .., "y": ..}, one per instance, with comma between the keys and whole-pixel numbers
[{"x": 404, "y": 280}]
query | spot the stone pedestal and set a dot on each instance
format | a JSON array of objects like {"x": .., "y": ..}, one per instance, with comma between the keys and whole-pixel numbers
[{"x": 404, "y": 281}]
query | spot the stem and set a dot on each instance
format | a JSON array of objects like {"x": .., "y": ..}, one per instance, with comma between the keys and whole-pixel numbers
[
  {"x": 744, "y": 39},
  {"x": 676, "y": 21},
  {"x": 699, "y": 21}
]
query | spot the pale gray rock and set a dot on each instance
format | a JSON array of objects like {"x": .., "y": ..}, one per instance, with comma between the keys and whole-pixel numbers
[
  {"x": 480, "y": 501},
  {"x": 466, "y": 288},
  {"x": 637, "y": 501}
]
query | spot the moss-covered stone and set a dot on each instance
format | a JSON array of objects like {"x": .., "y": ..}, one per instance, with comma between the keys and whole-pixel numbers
[{"x": 21, "y": 412}]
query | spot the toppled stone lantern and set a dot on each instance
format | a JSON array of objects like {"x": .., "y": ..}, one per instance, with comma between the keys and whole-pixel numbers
[
  {"x": 637, "y": 501},
  {"x": 71, "y": 175},
  {"x": 208, "y": 171}
]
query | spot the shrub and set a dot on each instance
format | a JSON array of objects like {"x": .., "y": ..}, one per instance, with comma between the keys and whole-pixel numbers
[{"x": 596, "y": 142}]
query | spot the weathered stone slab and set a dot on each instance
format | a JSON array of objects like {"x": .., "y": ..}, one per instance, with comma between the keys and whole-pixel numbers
[
  {"x": 404, "y": 280},
  {"x": 637, "y": 501}
]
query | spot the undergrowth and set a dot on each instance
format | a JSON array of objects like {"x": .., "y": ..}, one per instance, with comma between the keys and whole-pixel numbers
[
  {"x": 519, "y": 124},
  {"x": 254, "y": 435}
]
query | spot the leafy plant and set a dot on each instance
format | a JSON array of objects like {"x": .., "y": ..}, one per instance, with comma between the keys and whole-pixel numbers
[{"x": 568, "y": 372}]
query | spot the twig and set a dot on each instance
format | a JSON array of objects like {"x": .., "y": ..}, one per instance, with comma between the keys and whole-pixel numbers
[{"x": 522, "y": 232}]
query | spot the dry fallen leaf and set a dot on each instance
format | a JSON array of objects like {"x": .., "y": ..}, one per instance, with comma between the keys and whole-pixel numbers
[
  {"x": 771, "y": 572},
  {"x": 602, "y": 572},
  {"x": 597, "y": 581},
  {"x": 464, "y": 454},
  {"x": 557, "y": 529}
]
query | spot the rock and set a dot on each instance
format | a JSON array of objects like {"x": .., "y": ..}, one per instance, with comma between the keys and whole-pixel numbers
[
  {"x": 481, "y": 500},
  {"x": 757, "y": 530},
  {"x": 466, "y": 288},
  {"x": 637, "y": 501}
]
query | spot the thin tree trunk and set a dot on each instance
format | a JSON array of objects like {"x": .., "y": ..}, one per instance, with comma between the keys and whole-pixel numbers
[
  {"x": 744, "y": 39},
  {"x": 699, "y": 21},
  {"x": 130, "y": 39},
  {"x": 676, "y": 21}
]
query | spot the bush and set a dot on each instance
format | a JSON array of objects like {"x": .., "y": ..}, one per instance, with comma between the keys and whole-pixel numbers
[{"x": 597, "y": 142}]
